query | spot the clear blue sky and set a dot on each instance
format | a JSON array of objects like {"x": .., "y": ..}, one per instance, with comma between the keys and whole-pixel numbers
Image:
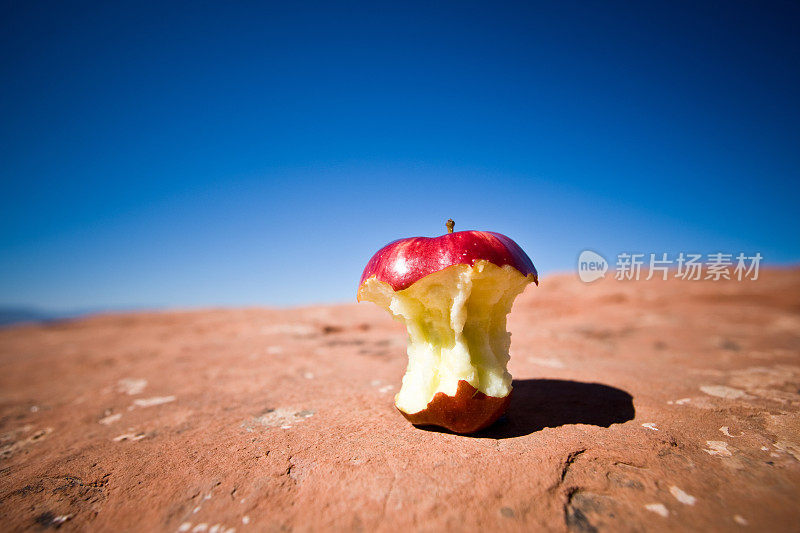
[{"x": 236, "y": 153}]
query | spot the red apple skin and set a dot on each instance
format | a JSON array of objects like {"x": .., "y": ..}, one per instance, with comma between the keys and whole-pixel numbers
[
  {"x": 467, "y": 412},
  {"x": 403, "y": 262}
]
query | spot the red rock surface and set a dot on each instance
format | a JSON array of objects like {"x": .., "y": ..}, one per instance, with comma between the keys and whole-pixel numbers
[{"x": 658, "y": 406}]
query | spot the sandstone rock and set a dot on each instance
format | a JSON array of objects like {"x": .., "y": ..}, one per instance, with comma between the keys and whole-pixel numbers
[{"x": 638, "y": 406}]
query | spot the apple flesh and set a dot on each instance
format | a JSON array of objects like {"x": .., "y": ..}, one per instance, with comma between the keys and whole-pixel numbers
[{"x": 457, "y": 375}]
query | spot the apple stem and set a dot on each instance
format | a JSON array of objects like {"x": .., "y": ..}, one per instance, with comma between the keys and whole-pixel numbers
[{"x": 450, "y": 225}]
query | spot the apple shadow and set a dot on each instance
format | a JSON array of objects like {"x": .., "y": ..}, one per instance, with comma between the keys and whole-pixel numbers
[{"x": 550, "y": 403}]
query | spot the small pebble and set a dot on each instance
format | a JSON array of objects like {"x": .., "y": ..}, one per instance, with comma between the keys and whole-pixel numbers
[
  {"x": 657, "y": 508},
  {"x": 681, "y": 496}
]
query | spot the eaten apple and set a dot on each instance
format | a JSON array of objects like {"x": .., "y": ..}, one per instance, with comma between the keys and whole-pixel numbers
[{"x": 453, "y": 292}]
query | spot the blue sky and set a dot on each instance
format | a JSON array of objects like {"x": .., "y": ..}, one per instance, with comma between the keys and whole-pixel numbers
[{"x": 250, "y": 153}]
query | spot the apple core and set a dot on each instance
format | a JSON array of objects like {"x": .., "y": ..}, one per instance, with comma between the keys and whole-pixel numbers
[{"x": 458, "y": 345}]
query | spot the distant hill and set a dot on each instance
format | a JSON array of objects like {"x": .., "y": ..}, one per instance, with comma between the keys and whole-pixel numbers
[
  {"x": 10, "y": 315},
  {"x": 15, "y": 315}
]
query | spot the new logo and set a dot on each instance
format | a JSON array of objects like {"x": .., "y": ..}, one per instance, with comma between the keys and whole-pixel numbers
[{"x": 591, "y": 266}]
